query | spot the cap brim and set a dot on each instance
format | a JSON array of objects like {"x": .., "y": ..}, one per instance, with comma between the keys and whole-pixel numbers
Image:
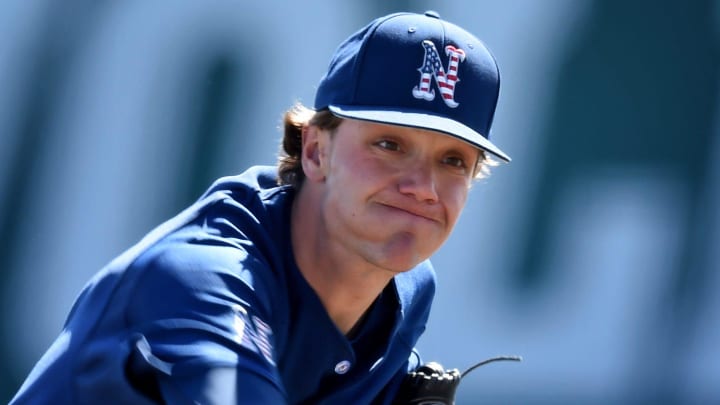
[{"x": 419, "y": 120}]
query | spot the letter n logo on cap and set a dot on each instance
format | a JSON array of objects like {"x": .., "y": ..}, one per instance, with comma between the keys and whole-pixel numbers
[{"x": 432, "y": 67}]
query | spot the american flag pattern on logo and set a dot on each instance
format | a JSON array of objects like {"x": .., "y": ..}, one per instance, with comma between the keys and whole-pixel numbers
[{"x": 432, "y": 67}]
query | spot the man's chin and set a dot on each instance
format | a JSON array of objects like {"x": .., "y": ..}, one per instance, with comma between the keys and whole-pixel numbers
[{"x": 402, "y": 264}]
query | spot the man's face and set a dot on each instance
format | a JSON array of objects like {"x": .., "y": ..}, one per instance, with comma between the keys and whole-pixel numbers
[{"x": 392, "y": 194}]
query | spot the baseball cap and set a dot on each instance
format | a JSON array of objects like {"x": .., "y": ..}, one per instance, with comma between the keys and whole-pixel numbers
[{"x": 419, "y": 71}]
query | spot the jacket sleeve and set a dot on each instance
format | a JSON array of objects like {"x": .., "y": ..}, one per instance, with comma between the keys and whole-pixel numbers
[{"x": 201, "y": 329}]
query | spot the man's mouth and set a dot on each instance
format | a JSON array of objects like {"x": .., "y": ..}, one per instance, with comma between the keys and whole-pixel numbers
[{"x": 414, "y": 211}]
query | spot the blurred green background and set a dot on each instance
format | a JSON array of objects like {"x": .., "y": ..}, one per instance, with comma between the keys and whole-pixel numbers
[{"x": 594, "y": 254}]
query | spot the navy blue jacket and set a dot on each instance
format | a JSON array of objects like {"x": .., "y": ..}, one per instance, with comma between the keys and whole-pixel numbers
[{"x": 210, "y": 307}]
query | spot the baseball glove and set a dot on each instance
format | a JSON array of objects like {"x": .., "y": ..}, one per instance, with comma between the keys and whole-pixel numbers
[{"x": 431, "y": 384}]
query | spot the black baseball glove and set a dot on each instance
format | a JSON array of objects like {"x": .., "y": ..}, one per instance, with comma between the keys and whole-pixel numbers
[{"x": 431, "y": 384}]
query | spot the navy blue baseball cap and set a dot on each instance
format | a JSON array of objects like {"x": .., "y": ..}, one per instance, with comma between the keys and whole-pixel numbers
[{"x": 419, "y": 71}]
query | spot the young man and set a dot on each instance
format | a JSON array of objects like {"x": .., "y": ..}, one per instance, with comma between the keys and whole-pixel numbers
[{"x": 308, "y": 282}]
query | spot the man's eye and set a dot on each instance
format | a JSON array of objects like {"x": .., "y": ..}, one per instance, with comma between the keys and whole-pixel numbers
[
  {"x": 389, "y": 145},
  {"x": 454, "y": 161}
]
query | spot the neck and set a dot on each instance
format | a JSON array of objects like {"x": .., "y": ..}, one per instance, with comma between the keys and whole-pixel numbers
[{"x": 345, "y": 283}]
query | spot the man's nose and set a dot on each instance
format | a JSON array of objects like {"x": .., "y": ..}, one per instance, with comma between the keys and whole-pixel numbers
[{"x": 419, "y": 181}]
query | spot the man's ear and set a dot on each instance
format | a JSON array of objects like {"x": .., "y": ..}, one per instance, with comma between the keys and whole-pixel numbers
[{"x": 313, "y": 153}]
